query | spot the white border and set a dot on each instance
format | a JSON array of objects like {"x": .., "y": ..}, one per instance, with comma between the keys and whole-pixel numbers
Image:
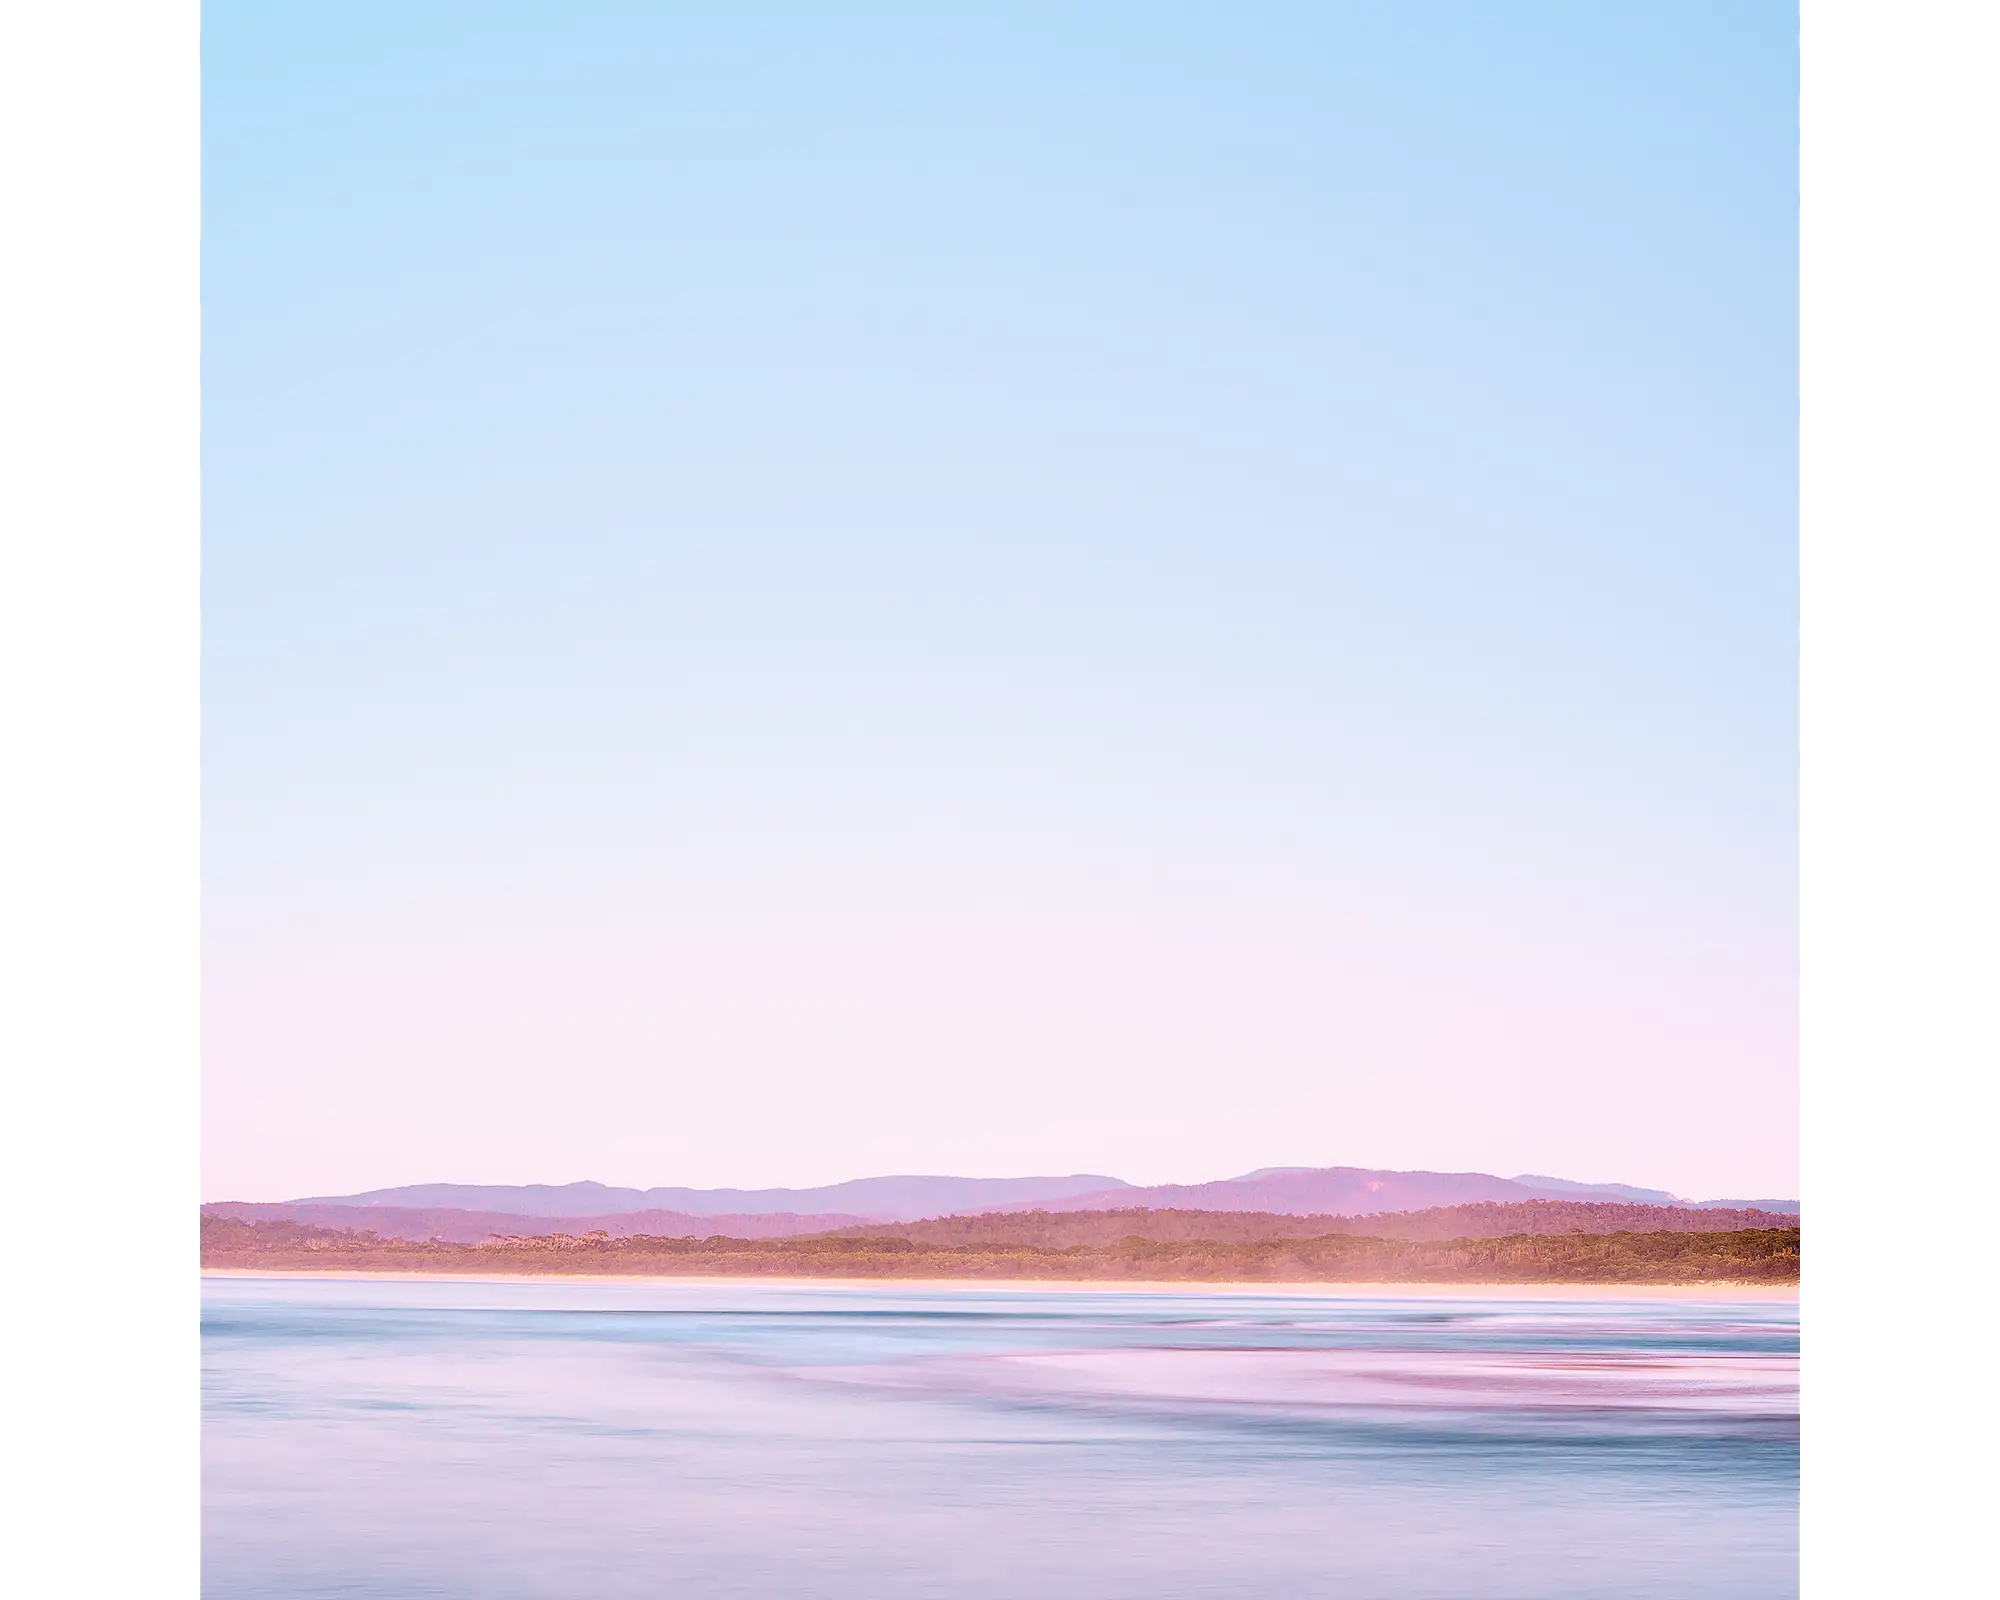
[
  {"x": 99, "y": 820},
  {"x": 1899, "y": 433}
]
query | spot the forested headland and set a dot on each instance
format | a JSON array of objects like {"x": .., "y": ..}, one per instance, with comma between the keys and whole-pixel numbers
[{"x": 1106, "y": 1246}]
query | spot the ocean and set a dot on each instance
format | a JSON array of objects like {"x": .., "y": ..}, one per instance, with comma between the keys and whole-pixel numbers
[{"x": 396, "y": 1439}]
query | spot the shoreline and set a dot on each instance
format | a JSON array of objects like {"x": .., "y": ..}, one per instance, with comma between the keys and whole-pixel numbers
[{"x": 1720, "y": 1289}]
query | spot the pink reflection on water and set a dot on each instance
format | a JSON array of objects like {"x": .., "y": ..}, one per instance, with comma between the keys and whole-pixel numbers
[{"x": 1751, "y": 1385}]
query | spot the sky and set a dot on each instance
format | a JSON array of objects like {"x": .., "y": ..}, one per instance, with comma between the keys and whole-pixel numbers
[{"x": 793, "y": 592}]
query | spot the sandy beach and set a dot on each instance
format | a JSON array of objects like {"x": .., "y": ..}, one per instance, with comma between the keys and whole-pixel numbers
[{"x": 1778, "y": 1292}]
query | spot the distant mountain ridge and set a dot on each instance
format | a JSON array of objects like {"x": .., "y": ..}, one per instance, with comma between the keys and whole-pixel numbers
[
  {"x": 1312, "y": 1191},
  {"x": 891, "y": 1199},
  {"x": 468, "y": 1212},
  {"x": 1366, "y": 1191},
  {"x": 455, "y": 1226},
  {"x": 1558, "y": 1187},
  {"x": 1624, "y": 1191}
]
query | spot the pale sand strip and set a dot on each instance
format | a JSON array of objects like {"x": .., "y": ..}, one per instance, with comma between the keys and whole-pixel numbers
[{"x": 1778, "y": 1292}]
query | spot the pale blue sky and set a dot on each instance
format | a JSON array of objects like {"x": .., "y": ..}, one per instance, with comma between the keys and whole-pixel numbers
[{"x": 1302, "y": 479}]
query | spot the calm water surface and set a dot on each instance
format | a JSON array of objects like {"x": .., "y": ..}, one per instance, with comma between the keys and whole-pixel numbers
[{"x": 412, "y": 1439}]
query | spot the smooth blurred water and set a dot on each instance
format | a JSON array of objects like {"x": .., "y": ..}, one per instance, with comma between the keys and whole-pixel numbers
[{"x": 422, "y": 1438}]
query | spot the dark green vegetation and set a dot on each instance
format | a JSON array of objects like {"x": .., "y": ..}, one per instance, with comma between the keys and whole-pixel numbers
[{"x": 1182, "y": 1246}]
